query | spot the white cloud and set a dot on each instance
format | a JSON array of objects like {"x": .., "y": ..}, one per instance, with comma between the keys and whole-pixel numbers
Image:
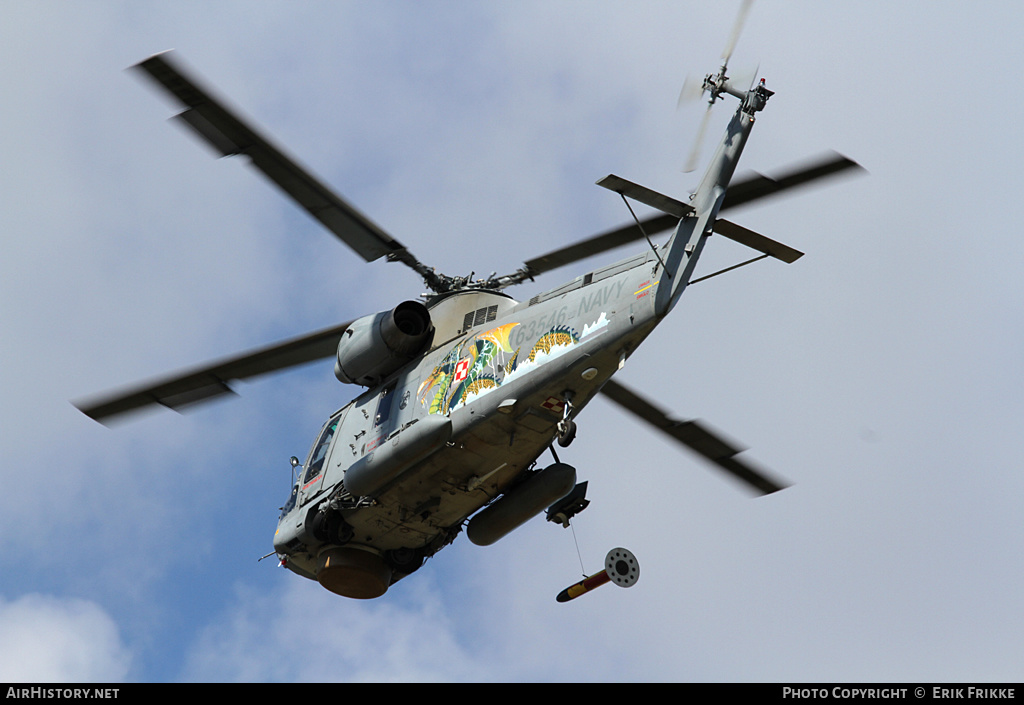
[
  {"x": 302, "y": 633},
  {"x": 47, "y": 639}
]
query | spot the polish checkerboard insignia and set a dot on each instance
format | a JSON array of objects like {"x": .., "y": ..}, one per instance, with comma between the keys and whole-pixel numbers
[{"x": 553, "y": 404}]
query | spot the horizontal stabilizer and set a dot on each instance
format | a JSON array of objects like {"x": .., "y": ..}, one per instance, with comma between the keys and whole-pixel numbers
[
  {"x": 644, "y": 195},
  {"x": 757, "y": 241},
  {"x": 740, "y": 192}
]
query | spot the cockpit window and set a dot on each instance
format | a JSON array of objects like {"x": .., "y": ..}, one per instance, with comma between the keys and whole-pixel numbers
[
  {"x": 316, "y": 459},
  {"x": 290, "y": 504}
]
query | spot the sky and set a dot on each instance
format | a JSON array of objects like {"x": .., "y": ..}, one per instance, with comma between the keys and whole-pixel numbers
[{"x": 880, "y": 374}]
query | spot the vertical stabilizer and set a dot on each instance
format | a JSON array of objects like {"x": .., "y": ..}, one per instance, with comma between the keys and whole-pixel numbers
[{"x": 685, "y": 245}]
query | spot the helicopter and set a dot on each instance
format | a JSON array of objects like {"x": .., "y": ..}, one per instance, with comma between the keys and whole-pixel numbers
[{"x": 467, "y": 388}]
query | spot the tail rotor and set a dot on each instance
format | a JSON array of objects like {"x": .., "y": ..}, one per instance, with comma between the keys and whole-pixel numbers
[{"x": 714, "y": 85}]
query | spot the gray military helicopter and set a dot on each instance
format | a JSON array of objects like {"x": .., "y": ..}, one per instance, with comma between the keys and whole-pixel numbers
[{"x": 468, "y": 388}]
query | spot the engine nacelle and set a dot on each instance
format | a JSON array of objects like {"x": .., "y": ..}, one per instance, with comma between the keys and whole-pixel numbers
[{"x": 375, "y": 346}]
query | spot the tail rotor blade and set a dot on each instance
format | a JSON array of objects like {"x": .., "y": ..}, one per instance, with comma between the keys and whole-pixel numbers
[
  {"x": 694, "y": 158},
  {"x": 692, "y": 90},
  {"x": 745, "y": 76},
  {"x": 737, "y": 28}
]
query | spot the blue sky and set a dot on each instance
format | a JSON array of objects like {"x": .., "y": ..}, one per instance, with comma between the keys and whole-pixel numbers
[{"x": 880, "y": 374}]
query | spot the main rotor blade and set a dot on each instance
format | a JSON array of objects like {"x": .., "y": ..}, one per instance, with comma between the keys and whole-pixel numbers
[
  {"x": 211, "y": 380},
  {"x": 229, "y": 134},
  {"x": 759, "y": 186},
  {"x": 600, "y": 243},
  {"x": 695, "y": 436}
]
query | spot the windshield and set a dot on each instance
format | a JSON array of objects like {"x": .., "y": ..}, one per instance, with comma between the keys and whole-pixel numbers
[
  {"x": 290, "y": 504},
  {"x": 319, "y": 454}
]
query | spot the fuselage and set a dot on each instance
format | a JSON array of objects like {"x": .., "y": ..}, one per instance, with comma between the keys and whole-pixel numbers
[
  {"x": 499, "y": 375},
  {"x": 396, "y": 473}
]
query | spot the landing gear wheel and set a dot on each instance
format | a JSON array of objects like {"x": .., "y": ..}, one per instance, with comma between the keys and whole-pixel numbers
[{"x": 566, "y": 436}]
